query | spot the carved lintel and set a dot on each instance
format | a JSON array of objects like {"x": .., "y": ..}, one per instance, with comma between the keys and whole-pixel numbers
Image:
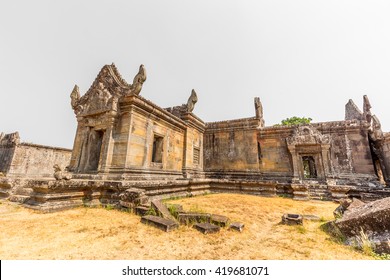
[
  {"x": 191, "y": 101},
  {"x": 304, "y": 135}
]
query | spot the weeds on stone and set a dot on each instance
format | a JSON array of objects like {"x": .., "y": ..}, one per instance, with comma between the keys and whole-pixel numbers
[
  {"x": 173, "y": 209},
  {"x": 151, "y": 212},
  {"x": 109, "y": 206},
  {"x": 364, "y": 243}
]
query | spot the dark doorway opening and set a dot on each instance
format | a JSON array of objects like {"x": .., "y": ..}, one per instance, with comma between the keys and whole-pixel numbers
[
  {"x": 157, "y": 149},
  {"x": 309, "y": 167},
  {"x": 95, "y": 141}
]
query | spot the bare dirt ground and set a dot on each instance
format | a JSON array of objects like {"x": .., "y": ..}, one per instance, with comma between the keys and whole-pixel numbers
[{"x": 97, "y": 233}]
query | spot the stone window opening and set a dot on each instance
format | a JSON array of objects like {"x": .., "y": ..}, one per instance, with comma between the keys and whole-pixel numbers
[
  {"x": 309, "y": 167},
  {"x": 157, "y": 152},
  {"x": 259, "y": 151},
  {"x": 196, "y": 155}
]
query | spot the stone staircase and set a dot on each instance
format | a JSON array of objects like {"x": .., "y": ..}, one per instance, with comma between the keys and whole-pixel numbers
[{"x": 319, "y": 192}]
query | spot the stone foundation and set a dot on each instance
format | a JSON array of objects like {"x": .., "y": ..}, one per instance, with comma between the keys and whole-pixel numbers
[{"x": 54, "y": 195}]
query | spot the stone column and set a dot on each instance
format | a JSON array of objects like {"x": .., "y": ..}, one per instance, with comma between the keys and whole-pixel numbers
[
  {"x": 107, "y": 149},
  {"x": 294, "y": 155},
  {"x": 325, "y": 159}
]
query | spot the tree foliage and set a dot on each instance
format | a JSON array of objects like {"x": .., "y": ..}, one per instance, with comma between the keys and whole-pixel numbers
[{"x": 296, "y": 121}]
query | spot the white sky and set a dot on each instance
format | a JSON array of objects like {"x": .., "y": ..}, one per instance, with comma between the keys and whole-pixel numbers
[{"x": 303, "y": 58}]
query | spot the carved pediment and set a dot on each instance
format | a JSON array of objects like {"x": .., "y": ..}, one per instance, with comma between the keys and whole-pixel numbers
[
  {"x": 307, "y": 135},
  {"x": 104, "y": 93}
]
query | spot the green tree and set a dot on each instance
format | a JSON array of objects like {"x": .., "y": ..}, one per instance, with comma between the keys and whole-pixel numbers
[{"x": 296, "y": 121}]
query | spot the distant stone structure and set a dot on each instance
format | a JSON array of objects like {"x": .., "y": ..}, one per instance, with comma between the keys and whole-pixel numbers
[
  {"x": 20, "y": 162},
  {"x": 125, "y": 141}
]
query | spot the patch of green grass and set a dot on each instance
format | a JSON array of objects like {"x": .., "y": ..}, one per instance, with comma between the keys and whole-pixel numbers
[
  {"x": 382, "y": 256},
  {"x": 152, "y": 212},
  {"x": 301, "y": 229},
  {"x": 109, "y": 206}
]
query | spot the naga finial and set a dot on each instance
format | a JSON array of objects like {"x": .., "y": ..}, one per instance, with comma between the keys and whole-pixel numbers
[
  {"x": 75, "y": 97},
  {"x": 191, "y": 101},
  {"x": 258, "y": 108},
  {"x": 138, "y": 81}
]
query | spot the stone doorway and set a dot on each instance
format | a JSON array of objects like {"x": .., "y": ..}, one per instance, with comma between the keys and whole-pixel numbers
[{"x": 90, "y": 155}]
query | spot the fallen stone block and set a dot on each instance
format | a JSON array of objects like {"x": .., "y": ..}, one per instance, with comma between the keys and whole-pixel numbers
[
  {"x": 292, "y": 219},
  {"x": 219, "y": 220},
  {"x": 190, "y": 218},
  {"x": 162, "y": 210},
  {"x": 371, "y": 219},
  {"x": 161, "y": 223},
  {"x": 207, "y": 228},
  {"x": 346, "y": 204},
  {"x": 237, "y": 226}
]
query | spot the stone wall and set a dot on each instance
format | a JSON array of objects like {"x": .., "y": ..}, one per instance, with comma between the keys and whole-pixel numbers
[
  {"x": 341, "y": 150},
  {"x": 231, "y": 146},
  {"x": 32, "y": 161}
]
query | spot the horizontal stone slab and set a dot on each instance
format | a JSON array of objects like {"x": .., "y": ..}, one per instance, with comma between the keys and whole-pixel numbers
[
  {"x": 219, "y": 220},
  {"x": 161, "y": 223},
  {"x": 190, "y": 218},
  {"x": 237, "y": 226},
  {"x": 207, "y": 228}
]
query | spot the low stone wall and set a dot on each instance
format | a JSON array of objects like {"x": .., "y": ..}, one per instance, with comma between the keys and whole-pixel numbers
[
  {"x": 54, "y": 195},
  {"x": 36, "y": 161}
]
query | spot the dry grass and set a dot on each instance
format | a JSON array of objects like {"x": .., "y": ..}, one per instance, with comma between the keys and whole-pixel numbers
[{"x": 87, "y": 233}]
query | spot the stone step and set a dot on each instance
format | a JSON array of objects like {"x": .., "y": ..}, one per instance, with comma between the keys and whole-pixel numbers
[
  {"x": 207, "y": 228},
  {"x": 191, "y": 217},
  {"x": 237, "y": 226},
  {"x": 160, "y": 223},
  {"x": 19, "y": 198},
  {"x": 219, "y": 220}
]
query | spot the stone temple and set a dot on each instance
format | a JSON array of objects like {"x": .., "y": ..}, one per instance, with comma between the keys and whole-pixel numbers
[{"x": 125, "y": 141}]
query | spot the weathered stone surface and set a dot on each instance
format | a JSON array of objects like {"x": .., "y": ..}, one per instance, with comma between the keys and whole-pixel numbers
[
  {"x": 60, "y": 174},
  {"x": 237, "y": 226},
  {"x": 370, "y": 217},
  {"x": 346, "y": 204},
  {"x": 219, "y": 220},
  {"x": 300, "y": 192},
  {"x": 339, "y": 192},
  {"x": 190, "y": 218},
  {"x": 207, "y": 228},
  {"x": 161, "y": 223},
  {"x": 133, "y": 197},
  {"x": 162, "y": 210},
  {"x": 292, "y": 219}
]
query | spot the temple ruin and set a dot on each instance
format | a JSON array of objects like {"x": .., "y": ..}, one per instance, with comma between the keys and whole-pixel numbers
[{"x": 125, "y": 141}]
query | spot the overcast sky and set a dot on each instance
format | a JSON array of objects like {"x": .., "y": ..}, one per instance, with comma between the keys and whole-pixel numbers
[{"x": 302, "y": 58}]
